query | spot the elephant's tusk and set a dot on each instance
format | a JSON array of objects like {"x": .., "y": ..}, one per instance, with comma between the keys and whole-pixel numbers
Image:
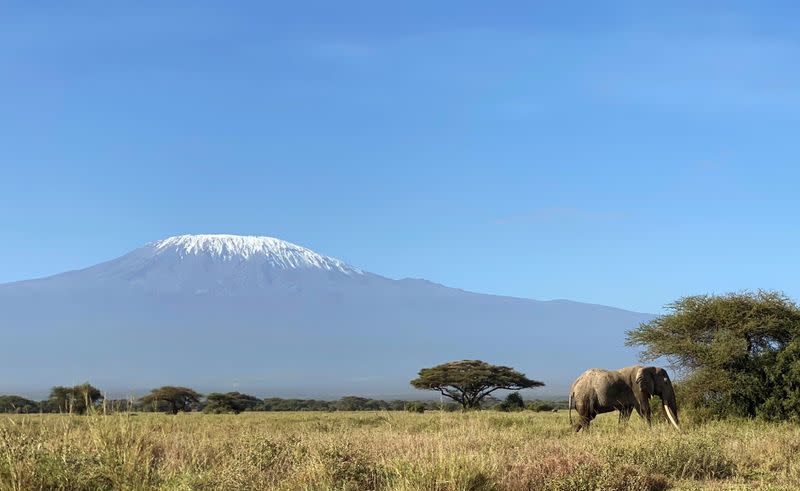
[{"x": 671, "y": 417}]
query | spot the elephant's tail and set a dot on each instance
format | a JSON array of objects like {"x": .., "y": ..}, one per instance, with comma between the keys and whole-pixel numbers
[{"x": 569, "y": 407}]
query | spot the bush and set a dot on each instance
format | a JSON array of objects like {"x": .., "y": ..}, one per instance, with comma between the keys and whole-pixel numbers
[
  {"x": 415, "y": 407},
  {"x": 17, "y": 404},
  {"x": 540, "y": 406},
  {"x": 513, "y": 402},
  {"x": 77, "y": 399},
  {"x": 738, "y": 352},
  {"x": 231, "y": 402}
]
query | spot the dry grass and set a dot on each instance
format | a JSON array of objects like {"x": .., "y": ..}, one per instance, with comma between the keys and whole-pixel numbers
[{"x": 392, "y": 451}]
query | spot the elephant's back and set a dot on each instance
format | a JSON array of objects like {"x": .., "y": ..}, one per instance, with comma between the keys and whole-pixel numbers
[
  {"x": 590, "y": 378},
  {"x": 592, "y": 373}
]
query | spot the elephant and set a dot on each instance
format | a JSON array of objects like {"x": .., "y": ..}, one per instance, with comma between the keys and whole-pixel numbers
[{"x": 599, "y": 391}]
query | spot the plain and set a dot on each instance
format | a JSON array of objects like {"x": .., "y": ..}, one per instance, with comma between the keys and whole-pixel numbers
[{"x": 483, "y": 450}]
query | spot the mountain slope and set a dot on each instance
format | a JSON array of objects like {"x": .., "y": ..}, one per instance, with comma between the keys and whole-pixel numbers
[{"x": 261, "y": 314}]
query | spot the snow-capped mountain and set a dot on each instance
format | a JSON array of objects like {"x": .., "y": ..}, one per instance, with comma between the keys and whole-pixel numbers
[
  {"x": 220, "y": 264},
  {"x": 269, "y": 251},
  {"x": 259, "y": 313}
]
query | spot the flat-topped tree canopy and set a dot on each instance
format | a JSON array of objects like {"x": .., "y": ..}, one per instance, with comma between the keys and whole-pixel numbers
[
  {"x": 176, "y": 398},
  {"x": 469, "y": 381}
]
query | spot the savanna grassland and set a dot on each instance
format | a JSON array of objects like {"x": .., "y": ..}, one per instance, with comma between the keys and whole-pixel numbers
[{"x": 485, "y": 450}]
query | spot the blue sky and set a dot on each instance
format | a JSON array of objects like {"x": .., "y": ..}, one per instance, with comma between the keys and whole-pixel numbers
[{"x": 613, "y": 154}]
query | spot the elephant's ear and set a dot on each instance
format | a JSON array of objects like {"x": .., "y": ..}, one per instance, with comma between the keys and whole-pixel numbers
[{"x": 644, "y": 379}]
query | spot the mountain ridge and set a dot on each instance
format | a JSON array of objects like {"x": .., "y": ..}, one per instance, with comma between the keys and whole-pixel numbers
[{"x": 285, "y": 328}]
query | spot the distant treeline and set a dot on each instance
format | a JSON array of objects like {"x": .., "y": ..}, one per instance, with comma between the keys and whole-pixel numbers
[{"x": 78, "y": 399}]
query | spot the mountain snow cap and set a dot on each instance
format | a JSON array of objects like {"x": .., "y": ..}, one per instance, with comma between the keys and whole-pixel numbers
[{"x": 278, "y": 253}]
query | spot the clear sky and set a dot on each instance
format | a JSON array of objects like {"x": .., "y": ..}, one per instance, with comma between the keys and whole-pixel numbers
[{"x": 598, "y": 151}]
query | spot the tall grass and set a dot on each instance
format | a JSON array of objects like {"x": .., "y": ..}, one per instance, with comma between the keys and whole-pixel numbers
[{"x": 391, "y": 451}]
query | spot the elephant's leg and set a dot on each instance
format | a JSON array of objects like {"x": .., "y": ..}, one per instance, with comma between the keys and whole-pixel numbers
[
  {"x": 625, "y": 414},
  {"x": 586, "y": 421},
  {"x": 584, "y": 417},
  {"x": 582, "y": 422}
]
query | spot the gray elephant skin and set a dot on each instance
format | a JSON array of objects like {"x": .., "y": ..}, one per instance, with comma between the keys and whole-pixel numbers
[{"x": 599, "y": 391}]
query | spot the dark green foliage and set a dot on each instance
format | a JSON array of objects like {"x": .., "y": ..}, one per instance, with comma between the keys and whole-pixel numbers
[
  {"x": 230, "y": 402},
  {"x": 215, "y": 403},
  {"x": 77, "y": 399},
  {"x": 278, "y": 404},
  {"x": 48, "y": 406},
  {"x": 415, "y": 407},
  {"x": 513, "y": 402},
  {"x": 353, "y": 403},
  {"x": 17, "y": 404},
  {"x": 60, "y": 398},
  {"x": 540, "y": 406},
  {"x": 783, "y": 399},
  {"x": 468, "y": 382},
  {"x": 174, "y": 398},
  {"x": 396, "y": 405},
  {"x": 349, "y": 403},
  {"x": 737, "y": 352}
]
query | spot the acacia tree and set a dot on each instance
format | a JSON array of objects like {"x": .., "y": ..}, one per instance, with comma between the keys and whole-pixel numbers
[
  {"x": 735, "y": 352},
  {"x": 468, "y": 381},
  {"x": 77, "y": 399},
  {"x": 230, "y": 402},
  {"x": 17, "y": 404},
  {"x": 176, "y": 398}
]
